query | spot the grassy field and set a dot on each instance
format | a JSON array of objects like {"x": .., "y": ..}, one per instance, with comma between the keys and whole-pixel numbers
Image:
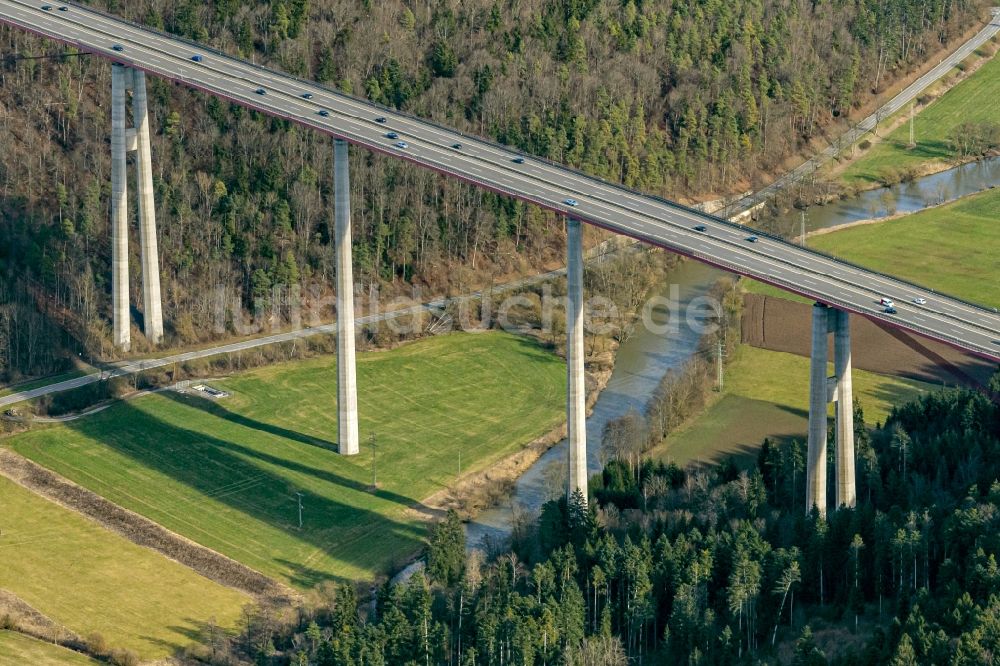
[
  {"x": 755, "y": 287},
  {"x": 766, "y": 395},
  {"x": 17, "y": 649},
  {"x": 91, "y": 580},
  {"x": 227, "y": 474},
  {"x": 953, "y": 248},
  {"x": 970, "y": 101}
]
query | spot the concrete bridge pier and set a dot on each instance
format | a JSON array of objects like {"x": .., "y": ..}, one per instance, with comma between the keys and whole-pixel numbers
[
  {"x": 822, "y": 391},
  {"x": 152, "y": 315},
  {"x": 846, "y": 490},
  {"x": 576, "y": 392},
  {"x": 123, "y": 140},
  {"x": 119, "y": 213},
  {"x": 347, "y": 384}
]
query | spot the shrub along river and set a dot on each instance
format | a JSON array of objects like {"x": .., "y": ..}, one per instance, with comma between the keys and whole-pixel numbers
[{"x": 645, "y": 357}]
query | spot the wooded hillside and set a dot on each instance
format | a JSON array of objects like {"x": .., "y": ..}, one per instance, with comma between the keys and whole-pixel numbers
[{"x": 676, "y": 97}]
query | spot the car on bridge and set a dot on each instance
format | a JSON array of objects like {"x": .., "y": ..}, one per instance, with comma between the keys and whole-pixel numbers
[
  {"x": 920, "y": 301},
  {"x": 402, "y": 145},
  {"x": 261, "y": 91},
  {"x": 518, "y": 160},
  {"x": 701, "y": 227},
  {"x": 887, "y": 302},
  {"x": 307, "y": 95},
  {"x": 380, "y": 119},
  {"x": 889, "y": 310},
  {"x": 752, "y": 239},
  {"x": 323, "y": 112},
  {"x": 570, "y": 202},
  {"x": 456, "y": 146},
  {"x": 196, "y": 58},
  {"x": 391, "y": 135},
  {"x": 117, "y": 47}
]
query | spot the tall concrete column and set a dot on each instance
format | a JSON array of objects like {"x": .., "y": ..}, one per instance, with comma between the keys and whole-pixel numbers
[
  {"x": 816, "y": 457},
  {"x": 119, "y": 213},
  {"x": 846, "y": 490},
  {"x": 151, "y": 312},
  {"x": 347, "y": 384},
  {"x": 576, "y": 406}
]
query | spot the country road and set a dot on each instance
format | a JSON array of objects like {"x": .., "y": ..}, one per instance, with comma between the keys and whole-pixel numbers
[
  {"x": 847, "y": 139},
  {"x": 648, "y": 219},
  {"x": 599, "y": 253}
]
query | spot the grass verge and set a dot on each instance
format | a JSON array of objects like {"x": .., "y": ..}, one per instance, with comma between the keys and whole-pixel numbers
[
  {"x": 766, "y": 395},
  {"x": 228, "y": 474},
  {"x": 43, "y": 381},
  {"x": 90, "y": 580},
  {"x": 971, "y": 100},
  {"x": 954, "y": 248}
]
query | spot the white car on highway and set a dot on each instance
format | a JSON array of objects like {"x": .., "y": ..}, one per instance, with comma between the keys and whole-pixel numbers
[{"x": 920, "y": 301}]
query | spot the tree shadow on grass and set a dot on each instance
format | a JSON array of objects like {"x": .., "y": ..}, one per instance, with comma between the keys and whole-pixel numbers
[
  {"x": 243, "y": 479},
  {"x": 197, "y": 632}
]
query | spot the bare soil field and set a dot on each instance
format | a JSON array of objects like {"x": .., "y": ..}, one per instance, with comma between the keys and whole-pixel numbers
[{"x": 782, "y": 325}]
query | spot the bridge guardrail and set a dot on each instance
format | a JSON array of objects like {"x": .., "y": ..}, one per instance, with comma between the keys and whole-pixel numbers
[
  {"x": 847, "y": 307},
  {"x": 666, "y": 202}
]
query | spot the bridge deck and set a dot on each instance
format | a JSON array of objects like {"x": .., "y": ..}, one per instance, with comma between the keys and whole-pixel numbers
[{"x": 485, "y": 164}]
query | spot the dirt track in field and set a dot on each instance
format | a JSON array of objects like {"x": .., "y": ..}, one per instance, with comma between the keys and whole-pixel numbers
[{"x": 781, "y": 325}]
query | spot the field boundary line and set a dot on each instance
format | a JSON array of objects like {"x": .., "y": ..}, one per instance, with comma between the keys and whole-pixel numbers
[{"x": 140, "y": 530}]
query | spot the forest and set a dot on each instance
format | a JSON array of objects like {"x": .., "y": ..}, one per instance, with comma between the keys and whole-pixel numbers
[
  {"x": 712, "y": 565},
  {"x": 675, "y": 97}
]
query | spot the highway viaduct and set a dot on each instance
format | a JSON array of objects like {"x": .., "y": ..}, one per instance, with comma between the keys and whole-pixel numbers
[{"x": 839, "y": 288}]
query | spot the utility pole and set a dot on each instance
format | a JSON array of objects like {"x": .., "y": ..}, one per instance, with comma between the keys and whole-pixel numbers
[
  {"x": 718, "y": 363},
  {"x": 300, "y": 509},
  {"x": 913, "y": 141},
  {"x": 372, "y": 443},
  {"x": 802, "y": 235}
]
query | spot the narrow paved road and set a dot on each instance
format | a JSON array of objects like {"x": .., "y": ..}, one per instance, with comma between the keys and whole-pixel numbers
[
  {"x": 868, "y": 124},
  {"x": 485, "y": 164},
  {"x": 648, "y": 219},
  {"x": 131, "y": 367}
]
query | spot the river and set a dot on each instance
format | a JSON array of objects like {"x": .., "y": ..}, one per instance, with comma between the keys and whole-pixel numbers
[
  {"x": 909, "y": 197},
  {"x": 640, "y": 364},
  {"x": 647, "y": 355}
]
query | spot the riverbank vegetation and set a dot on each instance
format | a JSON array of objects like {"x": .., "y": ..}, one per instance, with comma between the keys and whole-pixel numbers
[
  {"x": 958, "y": 126},
  {"x": 712, "y": 566},
  {"x": 950, "y": 248},
  {"x": 714, "y": 93}
]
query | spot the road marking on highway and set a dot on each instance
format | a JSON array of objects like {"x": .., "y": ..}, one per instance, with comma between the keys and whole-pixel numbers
[{"x": 656, "y": 222}]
